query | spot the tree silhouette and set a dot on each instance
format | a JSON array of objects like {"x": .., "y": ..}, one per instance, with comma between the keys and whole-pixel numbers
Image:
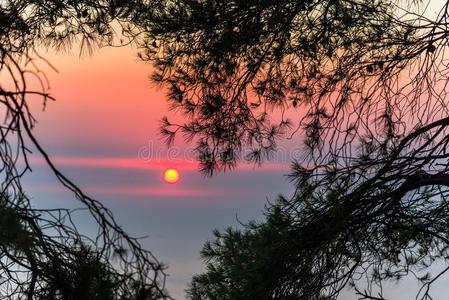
[
  {"x": 247, "y": 264},
  {"x": 313, "y": 248},
  {"x": 230, "y": 65},
  {"x": 42, "y": 254},
  {"x": 366, "y": 84}
]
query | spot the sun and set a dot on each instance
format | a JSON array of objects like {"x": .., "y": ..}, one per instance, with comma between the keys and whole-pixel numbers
[{"x": 171, "y": 176}]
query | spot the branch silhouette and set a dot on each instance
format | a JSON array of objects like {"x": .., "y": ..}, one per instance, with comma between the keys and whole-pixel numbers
[
  {"x": 364, "y": 85},
  {"x": 42, "y": 253}
]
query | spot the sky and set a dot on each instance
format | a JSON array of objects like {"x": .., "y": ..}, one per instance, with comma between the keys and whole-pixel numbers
[{"x": 103, "y": 133}]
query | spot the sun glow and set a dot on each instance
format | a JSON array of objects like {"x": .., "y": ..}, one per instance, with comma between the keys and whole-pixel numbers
[{"x": 171, "y": 176}]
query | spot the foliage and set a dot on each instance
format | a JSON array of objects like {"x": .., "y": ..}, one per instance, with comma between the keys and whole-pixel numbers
[
  {"x": 314, "y": 245},
  {"x": 244, "y": 264},
  {"x": 230, "y": 65},
  {"x": 365, "y": 84}
]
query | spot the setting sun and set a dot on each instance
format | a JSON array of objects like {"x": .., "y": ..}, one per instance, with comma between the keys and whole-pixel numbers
[{"x": 171, "y": 176}]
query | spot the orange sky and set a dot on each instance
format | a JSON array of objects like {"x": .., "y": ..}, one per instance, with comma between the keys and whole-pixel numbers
[{"x": 92, "y": 91}]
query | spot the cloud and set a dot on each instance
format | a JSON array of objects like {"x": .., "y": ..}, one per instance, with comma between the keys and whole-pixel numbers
[
  {"x": 115, "y": 163},
  {"x": 135, "y": 163},
  {"x": 136, "y": 178},
  {"x": 130, "y": 190},
  {"x": 149, "y": 191}
]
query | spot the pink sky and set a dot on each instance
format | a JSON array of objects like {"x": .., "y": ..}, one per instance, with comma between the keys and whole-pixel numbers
[{"x": 98, "y": 133}]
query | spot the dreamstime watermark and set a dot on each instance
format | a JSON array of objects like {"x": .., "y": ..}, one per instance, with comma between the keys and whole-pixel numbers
[{"x": 151, "y": 152}]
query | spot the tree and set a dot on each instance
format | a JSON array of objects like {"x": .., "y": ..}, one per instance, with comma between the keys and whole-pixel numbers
[
  {"x": 246, "y": 264},
  {"x": 313, "y": 248},
  {"x": 42, "y": 254},
  {"x": 366, "y": 82}
]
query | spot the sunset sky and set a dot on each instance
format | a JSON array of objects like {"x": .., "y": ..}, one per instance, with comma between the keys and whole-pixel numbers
[{"x": 103, "y": 133}]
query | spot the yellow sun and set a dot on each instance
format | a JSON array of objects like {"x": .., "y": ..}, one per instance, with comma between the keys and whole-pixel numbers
[{"x": 171, "y": 176}]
